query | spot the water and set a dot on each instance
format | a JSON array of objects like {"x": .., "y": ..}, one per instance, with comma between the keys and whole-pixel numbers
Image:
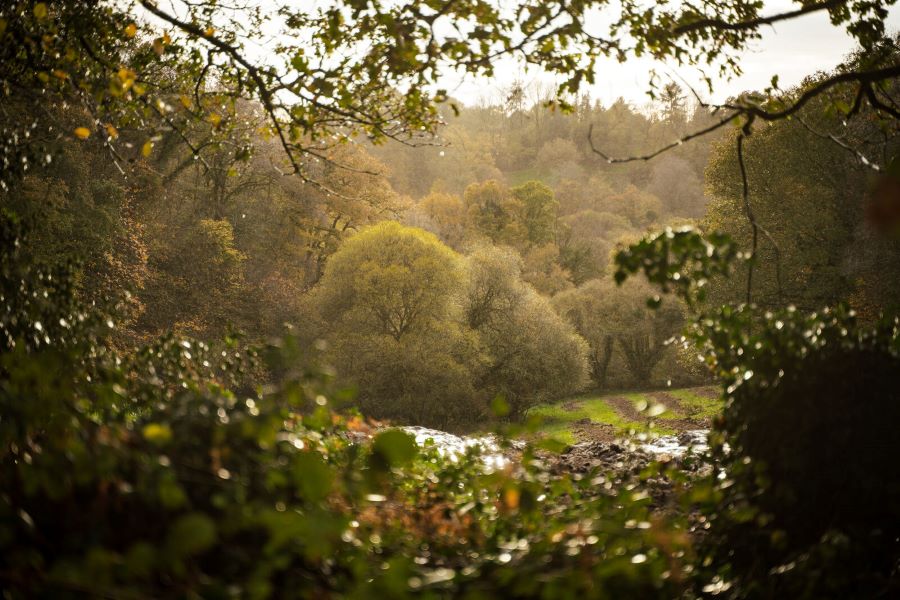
[
  {"x": 454, "y": 446},
  {"x": 677, "y": 445}
]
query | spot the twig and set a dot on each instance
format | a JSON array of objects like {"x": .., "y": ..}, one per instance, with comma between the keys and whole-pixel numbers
[
  {"x": 859, "y": 155},
  {"x": 754, "y": 224}
]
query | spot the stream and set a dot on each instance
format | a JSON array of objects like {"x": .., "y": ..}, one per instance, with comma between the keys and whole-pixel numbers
[{"x": 493, "y": 456}]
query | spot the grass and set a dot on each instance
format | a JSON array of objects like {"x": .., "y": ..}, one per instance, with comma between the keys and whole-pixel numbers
[
  {"x": 703, "y": 406},
  {"x": 558, "y": 421}
]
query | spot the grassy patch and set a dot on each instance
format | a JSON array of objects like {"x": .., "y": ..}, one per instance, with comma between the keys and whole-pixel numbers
[
  {"x": 698, "y": 405},
  {"x": 650, "y": 406},
  {"x": 558, "y": 421}
]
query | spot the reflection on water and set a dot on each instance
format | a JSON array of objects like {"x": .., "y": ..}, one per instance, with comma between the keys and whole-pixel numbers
[{"x": 454, "y": 446}]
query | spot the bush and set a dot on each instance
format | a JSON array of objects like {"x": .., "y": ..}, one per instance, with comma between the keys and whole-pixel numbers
[
  {"x": 811, "y": 487},
  {"x": 804, "y": 499}
]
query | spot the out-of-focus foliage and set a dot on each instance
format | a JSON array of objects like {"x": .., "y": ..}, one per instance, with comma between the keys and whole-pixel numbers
[
  {"x": 809, "y": 402},
  {"x": 680, "y": 260}
]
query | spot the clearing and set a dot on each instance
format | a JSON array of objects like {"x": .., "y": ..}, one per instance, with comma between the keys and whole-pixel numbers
[{"x": 610, "y": 415}]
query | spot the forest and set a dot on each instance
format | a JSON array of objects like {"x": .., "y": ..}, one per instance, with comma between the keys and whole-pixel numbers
[{"x": 281, "y": 317}]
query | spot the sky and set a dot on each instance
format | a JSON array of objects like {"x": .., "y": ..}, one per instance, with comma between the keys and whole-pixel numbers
[{"x": 792, "y": 50}]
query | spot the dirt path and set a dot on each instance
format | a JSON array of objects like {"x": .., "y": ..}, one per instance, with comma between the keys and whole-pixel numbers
[
  {"x": 687, "y": 415},
  {"x": 626, "y": 408},
  {"x": 709, "y": 391},
  {"x": 586, "y": 430}
]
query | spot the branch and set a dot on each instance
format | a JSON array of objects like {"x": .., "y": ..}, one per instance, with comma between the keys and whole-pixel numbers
[
  {"x": 235, "y": 54},
  {"x": 699, "y": 133},
  {"x": 750, "y": 24},
  {"x": 754, "y": 225},
  {"x": 750, "y": 112},
  {"x": 828, "y": 136},
  {"x": 878, "y": 104}
]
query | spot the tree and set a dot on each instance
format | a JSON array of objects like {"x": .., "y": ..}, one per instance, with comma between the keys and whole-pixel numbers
[
  {"x": 495, "y": 213},
  {"x": 642, "y": 332},
  {"x": 640, "y": 207},
  {"x": 539, "y": 210},
  {"x": 389, "y": 302},
  {"x": 678, "y": 187},
  {"x": 544, "y": 270},
  {"x": 589, "y": 309},
  {"x": 616, "y": 320},
  {"x": 808, "y": 197},
  {"x": 390, "y": 280},
  {"x": 447, "y": 213},
  {"x": 532, "y": 355}
]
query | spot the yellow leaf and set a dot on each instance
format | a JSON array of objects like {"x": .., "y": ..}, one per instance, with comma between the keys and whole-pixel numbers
[
  {"x": 147, "y": 148},
  {"x": 127, "y": 76},
  {"x": 511, "y": 497},
  {"x": 131, "y": 30},
  {"x": 209, "y": 31},
  {"x": 60, "y": 74},
  {"x": 158, "y": 47},
  {"x": 157, "y": 433},
  {"x": 112, "y": 131},
  {"x": 82, "y": 133},
  {"x": 40, "y": 10},
  {"x": 166, "y": 39},
  {"x": 215, "y": 119},
  {"x": 185, "y": 102}
]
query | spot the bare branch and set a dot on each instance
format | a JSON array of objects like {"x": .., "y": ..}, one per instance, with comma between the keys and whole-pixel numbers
[
  {"x": 754, "y": 224},
  {"x": 750, "y": 24},
  {"x": 699, "y": 133},
  {"x": 753, "y": 111},
  {"x": 859, "y": 155}
]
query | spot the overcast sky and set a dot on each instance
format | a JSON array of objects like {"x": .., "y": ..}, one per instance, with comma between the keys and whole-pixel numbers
[{"x": 792, "y": 50}]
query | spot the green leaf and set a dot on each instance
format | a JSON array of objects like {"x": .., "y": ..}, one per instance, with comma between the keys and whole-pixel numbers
[
  {"x": 552, "y": 445},
  {"x": 190, "y": 535},
  {"x": 499, "y": 406},
  {"x": 312, "y": 475},
  {"x": 394, "y": 448}
]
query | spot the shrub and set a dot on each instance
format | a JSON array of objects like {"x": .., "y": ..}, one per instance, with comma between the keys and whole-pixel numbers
[{"x": 811, "y": 488}]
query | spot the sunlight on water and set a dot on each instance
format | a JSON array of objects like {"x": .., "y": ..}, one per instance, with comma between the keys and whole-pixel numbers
[
  {"x": 676, "y": 445},
  {"x": 454, "y": 446}
]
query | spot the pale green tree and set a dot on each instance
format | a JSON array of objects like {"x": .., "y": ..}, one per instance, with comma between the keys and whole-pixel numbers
[
  {"x": 532, "y": 355},
  {"x": 390, "y": 306}
]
